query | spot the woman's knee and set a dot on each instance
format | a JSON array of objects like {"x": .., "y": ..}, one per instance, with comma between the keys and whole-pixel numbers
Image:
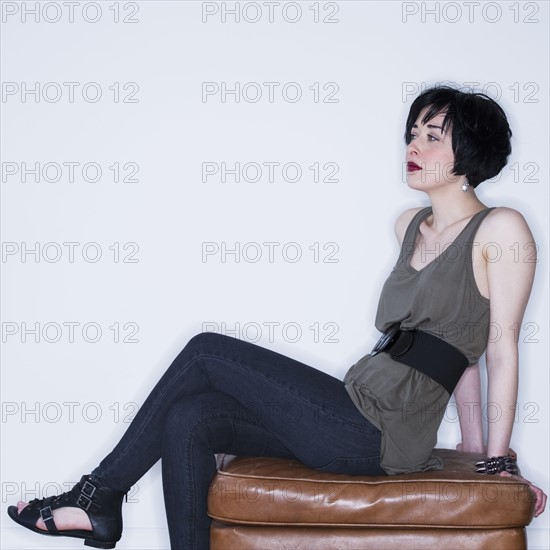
[
  {"x": 199, "y": 339},
  {"x": 206, "y": 338}
]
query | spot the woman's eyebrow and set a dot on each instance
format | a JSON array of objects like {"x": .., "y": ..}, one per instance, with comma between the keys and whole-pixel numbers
[{"x": 430, "y": 126}]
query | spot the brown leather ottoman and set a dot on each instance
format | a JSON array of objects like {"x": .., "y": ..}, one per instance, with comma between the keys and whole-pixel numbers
[{"x": 268, "y": 503}]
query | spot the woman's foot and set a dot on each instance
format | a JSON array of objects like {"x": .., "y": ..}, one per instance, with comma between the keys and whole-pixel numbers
[
  {"x": 89, "y": 511},
  {"x": 65, "y": 518}
]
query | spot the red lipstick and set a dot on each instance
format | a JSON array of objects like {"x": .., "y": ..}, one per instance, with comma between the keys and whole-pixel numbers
[{"x": 413, "y": 167}]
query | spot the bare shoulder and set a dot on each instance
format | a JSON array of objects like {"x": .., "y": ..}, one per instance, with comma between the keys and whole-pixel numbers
[
  {"x": 403, "y": 221},
  {"x": 507, "y": 228},
  {"x": 503, "y": 223}
]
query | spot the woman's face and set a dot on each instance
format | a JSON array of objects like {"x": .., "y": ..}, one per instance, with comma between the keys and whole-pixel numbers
[{"x": 429, "y": 156}]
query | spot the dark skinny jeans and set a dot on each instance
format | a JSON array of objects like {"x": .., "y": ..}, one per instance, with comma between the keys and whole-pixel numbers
[{"x": 225, "y": 395}]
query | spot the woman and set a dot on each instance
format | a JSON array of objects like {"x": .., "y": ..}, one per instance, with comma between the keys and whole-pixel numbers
[{"x": 225, "y": 395}]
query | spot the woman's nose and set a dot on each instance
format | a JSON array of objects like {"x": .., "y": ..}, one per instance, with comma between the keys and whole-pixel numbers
[{"x": 412, "y": 147}]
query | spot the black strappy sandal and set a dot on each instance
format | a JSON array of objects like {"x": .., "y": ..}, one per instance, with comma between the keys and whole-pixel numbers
[{"x": 102, "y": 504}]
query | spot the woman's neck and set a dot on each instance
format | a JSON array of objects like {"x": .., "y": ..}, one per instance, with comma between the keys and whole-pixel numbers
[{"x": 448, "y": 208}]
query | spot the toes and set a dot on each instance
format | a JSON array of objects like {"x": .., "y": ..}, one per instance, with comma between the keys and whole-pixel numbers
[
  {"x": 20, "y": 506},
  {"x": 39, "y": 524},
  {"x": 64, "y": 518}
]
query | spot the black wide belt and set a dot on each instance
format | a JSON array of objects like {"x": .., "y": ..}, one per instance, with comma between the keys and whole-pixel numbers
[{"x": 424, "y": 352}]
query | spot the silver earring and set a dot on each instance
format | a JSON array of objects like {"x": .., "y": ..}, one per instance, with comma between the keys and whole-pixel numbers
[{"x": 465, "y": 186}]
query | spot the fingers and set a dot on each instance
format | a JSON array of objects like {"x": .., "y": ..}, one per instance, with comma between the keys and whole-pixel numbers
[
  {"x": 540, "y": 496},
  {"x": 540, "y": 499},
  {"x": 540, "y": 503}
]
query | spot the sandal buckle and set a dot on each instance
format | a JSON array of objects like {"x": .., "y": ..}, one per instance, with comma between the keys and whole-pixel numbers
[
  {"x": 83, "y": 501},
  {"x": 88, "y": 489},
  {"x": 46, "y": 513}
]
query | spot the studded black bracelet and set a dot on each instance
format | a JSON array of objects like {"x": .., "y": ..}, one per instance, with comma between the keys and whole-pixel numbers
[{"x": 497, "y": 464}]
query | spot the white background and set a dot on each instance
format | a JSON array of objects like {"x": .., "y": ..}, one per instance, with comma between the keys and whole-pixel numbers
[{"x": 378, "y": 56}]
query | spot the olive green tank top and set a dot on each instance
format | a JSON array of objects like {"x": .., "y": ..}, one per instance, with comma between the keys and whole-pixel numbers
[{"x": 442, "y": 298}]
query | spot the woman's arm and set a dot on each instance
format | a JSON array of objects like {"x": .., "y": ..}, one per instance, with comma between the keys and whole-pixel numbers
[
  {"x": 468, "y": 401},
  {"x": 511, "y": 259},
  {"x": 510, "y": 279}
]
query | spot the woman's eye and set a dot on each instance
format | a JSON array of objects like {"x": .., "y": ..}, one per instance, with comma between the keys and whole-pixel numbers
[{"x": 430, "y": 137}]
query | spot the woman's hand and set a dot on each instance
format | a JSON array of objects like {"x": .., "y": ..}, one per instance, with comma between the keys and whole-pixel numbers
[
  {"x": 513, "y": 454},
  {"x": 540, "y": 497}
]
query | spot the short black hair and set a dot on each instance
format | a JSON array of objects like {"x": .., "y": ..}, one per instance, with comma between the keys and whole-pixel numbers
[{"x": 480, "y": 131}]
